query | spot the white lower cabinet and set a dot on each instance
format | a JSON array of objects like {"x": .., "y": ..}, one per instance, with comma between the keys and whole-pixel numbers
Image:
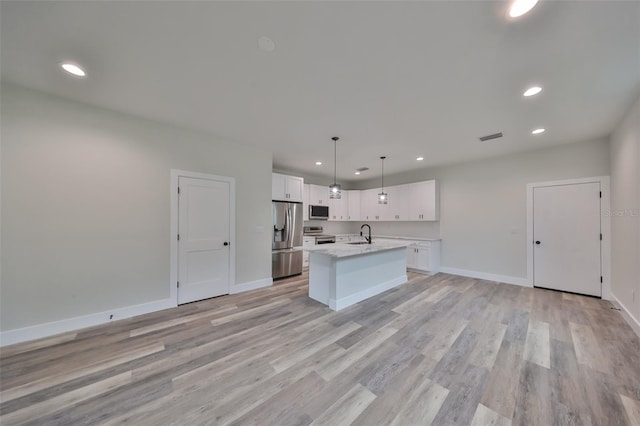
[
  {"x": 424, "y": 256},
  {"x": 307, "y": 241}
]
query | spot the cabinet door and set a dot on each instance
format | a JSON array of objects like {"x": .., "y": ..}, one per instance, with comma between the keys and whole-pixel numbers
[
  {"x": 385, "y": 211},
  {"x": 294, "y": 188},
  {"x": 423, "y": 201},
  {"x": 333, "y": 209},
  {"x": 353, "y": 205},
  {"x": 401, "y": 205},
  {"x": 343, "y": 206},
  {"x": 305, "y": 202},
  {"x": 319, "y": 195},
  {"x": 278, "y": 187},
  {"x": 423, "y": 255},
  {"x": 369, "y": 205},
  {"x": 411, "y": 257},
  {"x": 398, "y": 204}
]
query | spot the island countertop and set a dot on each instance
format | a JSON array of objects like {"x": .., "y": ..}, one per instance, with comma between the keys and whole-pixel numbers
[{"x": 339, "y": 250}]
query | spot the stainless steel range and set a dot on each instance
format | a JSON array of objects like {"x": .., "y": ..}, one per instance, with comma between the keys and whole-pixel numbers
[{"x": 319, "y": 235}]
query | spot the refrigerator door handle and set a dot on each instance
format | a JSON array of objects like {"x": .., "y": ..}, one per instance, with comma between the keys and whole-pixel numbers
[{"x": 288, "y": 226}]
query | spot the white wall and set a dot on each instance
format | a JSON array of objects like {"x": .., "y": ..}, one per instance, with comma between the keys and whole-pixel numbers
[
  {"x": 625, "y": 211},
  {"x": 483, "y": 203},
  {"x": 85, "y": 206}
]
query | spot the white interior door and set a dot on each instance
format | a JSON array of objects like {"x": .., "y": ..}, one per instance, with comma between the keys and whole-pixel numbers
[
  {"x": 203, "y": 239},
  {"x": 566, "y": 238}
]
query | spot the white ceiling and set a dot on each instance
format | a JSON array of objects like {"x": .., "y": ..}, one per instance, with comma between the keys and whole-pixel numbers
[{"x": 399, "y": 79}]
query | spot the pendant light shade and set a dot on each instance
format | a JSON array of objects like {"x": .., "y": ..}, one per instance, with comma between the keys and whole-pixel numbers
[
  {"x": 335, "y": 190},
  {"x": 383, "y": 197}
]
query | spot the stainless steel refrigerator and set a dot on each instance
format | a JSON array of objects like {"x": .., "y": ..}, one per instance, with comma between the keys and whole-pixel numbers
[{"x": 286, "y": 240}]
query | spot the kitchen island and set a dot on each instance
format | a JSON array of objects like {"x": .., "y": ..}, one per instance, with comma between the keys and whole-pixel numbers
[{"x": 343, "y": 274}]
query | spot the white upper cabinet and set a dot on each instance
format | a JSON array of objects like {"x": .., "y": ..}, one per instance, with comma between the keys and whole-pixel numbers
[
  {"x": 369, "y": 205},
  {"x": 353, "y": 210},
  {"x": 397, "y": 207},
  {"x": 339, "y": 208},
  {"x": 319, "y": 195},
  {"x": 286, "y": 188},
  {"x": 424, "y": 201},
  {"x": 411, "y": 202}
]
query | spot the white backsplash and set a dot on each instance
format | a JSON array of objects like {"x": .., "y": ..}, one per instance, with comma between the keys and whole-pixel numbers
[
  {"x": 333, "y": 227},
  {"x": 396, "y": 229}
]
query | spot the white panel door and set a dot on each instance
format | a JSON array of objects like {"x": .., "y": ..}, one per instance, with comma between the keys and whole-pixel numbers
[
  {"x": 203, "y": 243},
  {"x": 566, "y": 238}
]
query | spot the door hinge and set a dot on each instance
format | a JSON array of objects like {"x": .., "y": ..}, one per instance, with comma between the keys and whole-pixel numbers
[
  {"x": 600, "y": 279},
  {"x": 178, "y": 190},
  {"x": 178, "y": 237},
  {"x": 178, "y": 284},
  {"x": 600, "y": 194},
  {"x": 600, "y": 237}
]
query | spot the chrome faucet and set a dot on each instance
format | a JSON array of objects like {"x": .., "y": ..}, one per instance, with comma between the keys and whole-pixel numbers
[{"x": 369, "y": 237}]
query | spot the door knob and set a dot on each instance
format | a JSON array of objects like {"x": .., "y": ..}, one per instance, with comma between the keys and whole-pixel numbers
[
  {"x": 226, "y": 243},
  {"x": 537, "y": 242}
]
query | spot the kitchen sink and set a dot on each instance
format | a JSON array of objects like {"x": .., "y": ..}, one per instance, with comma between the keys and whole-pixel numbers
[{"x": 359, "y": 242}]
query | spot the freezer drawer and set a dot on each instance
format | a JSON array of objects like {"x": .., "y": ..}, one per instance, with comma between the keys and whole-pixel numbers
[{"x": 285, "y": 263}]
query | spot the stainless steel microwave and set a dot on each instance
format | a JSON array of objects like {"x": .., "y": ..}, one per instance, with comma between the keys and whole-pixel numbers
[{"x": 318, "y": 212}]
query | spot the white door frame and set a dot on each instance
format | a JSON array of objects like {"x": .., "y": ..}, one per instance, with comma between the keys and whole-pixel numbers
[
  {"x": 173, "y": 235},
  {"x": 605, "y": 226}
]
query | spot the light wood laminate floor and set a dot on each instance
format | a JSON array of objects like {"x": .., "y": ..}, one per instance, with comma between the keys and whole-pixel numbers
[{"x": 442, "y": 350}]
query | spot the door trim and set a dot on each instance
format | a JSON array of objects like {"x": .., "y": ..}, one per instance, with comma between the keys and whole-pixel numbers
[
  {"x": 605, "y": 226},
  {"x": 173, "y": 257}
]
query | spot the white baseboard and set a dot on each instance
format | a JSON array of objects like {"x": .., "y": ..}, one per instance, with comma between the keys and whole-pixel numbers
[
  {"x": 251, "y": 285},
  {"x": 336, "y": 305},
  {"x": 486, "y": 276},
  {"x": 70, "y": 324},
  {"x": 626, "y": 314}
]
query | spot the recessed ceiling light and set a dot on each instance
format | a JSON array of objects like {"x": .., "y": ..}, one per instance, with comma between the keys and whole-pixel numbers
[
  {"x": 520, "y": 7},
  {"x": 356, "y": 173},
  {"x": 532, "y": 91},
  {"x": 318, "y": 163},
  {"x": 73, "y": 69},
  {"x": 266, "y": 44},
  {"x": 419, "y": 158},
  {"x": 537, "y": 131}
]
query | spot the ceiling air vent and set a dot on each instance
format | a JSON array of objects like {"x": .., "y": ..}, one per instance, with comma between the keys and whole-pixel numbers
[{"x": 489, "y": 137}]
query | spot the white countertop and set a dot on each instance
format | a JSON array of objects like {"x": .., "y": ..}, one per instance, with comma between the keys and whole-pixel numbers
[
  {"x": 340, "y": 250},
  {"x": 392, "y": 237}
]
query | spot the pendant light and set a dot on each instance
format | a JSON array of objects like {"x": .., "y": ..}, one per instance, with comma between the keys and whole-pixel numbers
[
  {"x": 383, "y": 198},
  {"x": 335, "y": 190}
]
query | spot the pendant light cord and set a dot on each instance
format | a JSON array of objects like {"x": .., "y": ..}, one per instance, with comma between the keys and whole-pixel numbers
[
  {"x": 335, "y": 160},
  {"x": 382, "y": 159}
]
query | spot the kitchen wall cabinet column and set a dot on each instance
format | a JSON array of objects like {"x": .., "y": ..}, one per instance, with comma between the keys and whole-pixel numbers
[
  {"x": 318, "y": 195},
  {"x": 353, "y": 205},
  {"x": 424, "y": 201},
  {"x": 339, "y": 208},
  {"x": 286, "y": 188}
]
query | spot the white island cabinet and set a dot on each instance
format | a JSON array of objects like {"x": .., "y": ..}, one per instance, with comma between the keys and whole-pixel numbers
[{"x": 341, "y": 275}]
